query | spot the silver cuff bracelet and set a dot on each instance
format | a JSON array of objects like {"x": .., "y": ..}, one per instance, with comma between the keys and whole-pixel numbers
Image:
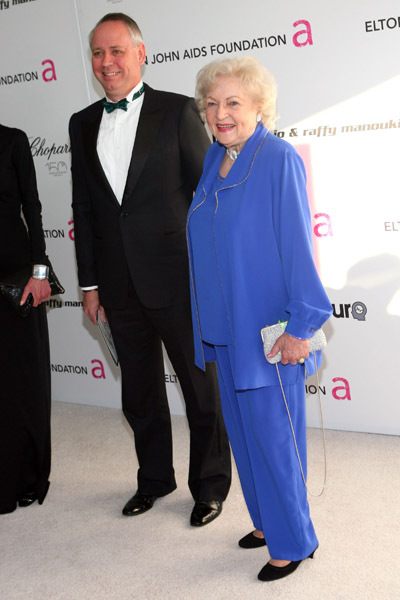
[{"x": 40, "y": 271}]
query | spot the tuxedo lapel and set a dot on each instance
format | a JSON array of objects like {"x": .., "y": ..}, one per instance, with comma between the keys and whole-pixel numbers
[
  {"x": 90, "y": 142},
  {"x": 151, "y": 116}
]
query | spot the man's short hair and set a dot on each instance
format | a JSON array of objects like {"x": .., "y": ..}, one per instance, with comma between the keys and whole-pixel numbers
[{"x": 132, "y": 26}]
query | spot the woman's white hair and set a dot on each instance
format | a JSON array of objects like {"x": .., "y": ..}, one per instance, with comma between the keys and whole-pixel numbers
[{"x": 258, "y": 82}]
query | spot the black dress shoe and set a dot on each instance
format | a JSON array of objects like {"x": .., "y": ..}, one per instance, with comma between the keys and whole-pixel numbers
[
  {"x": 7, "y": 508},
  {"x": 26, "y": 499},
  {"x": 271, "y": 573},
  {"x": 138, "y": 504},
  {"x": 251, "y": 541},
  {"x": 205, "y": 512}
]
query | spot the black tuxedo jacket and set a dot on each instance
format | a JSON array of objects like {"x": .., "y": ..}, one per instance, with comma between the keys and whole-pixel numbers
[{"x": 144, "y": 236}]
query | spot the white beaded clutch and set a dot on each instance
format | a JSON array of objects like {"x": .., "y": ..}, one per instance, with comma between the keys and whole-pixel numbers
[{"x": 270, "y": 334}]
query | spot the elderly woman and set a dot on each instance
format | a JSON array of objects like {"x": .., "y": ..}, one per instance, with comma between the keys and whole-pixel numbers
[
  {"x": 24, "y": 348},
  {"x": 251, "y": 265}
]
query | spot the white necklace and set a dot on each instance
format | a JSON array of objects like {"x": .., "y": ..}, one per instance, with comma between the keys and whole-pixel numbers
[{"x": 233, "y": 154}]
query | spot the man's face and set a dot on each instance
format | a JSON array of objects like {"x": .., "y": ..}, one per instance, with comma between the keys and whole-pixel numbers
[{"x": 115, "y": 60}]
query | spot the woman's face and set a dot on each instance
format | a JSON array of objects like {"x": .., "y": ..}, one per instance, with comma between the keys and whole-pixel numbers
[{"x": 230, "y": 112}]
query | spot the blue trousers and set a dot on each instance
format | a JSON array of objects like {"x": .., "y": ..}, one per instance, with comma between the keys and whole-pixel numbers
[{"x": 262, "y": 444}]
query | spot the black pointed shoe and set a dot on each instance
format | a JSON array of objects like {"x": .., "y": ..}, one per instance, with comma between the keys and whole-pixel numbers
[
  {"x": 251, "y": 541},
  {"x": 27, "y": 499},
  {"x": 138, "y": 504},
  {"x": 7, "y": 508},
  {"x": 205, "y": 512},
  {"x": 271, "y": 573}
]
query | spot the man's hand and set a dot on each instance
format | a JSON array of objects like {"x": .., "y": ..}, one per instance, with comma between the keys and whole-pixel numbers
[
  {"x": 291, "y": 348},
  {"x": 91, "y": 305},
  {"x": 40, "y": 290}
]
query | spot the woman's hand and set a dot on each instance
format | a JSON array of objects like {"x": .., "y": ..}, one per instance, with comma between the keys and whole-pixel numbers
[
  {"x": 40, "y": 290},
  {"x": 292, "y": 349}
]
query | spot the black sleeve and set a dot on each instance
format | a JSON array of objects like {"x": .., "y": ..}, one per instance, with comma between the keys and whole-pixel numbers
[
  {"x": 194, "y": 141},
  {"x": 31, "y": 206},
  {"x": 82, "y": 211}
]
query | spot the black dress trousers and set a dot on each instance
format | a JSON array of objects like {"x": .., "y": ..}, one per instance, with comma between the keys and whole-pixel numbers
[{"x": 138, "y": 333}]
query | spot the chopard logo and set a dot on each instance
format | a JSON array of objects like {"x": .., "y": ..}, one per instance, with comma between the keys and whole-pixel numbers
[{"x": 39, "y": 147}]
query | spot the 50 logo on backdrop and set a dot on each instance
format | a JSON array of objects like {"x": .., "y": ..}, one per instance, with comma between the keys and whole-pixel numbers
[
  {"x": 57, "y": 168},
  {"x": 53, "y": 152}
]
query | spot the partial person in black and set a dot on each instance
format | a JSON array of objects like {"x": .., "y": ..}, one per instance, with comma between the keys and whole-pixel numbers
[{"x": 24, "y": 342}]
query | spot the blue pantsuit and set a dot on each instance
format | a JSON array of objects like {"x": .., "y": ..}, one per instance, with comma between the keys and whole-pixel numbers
[
  {"x": 261, "y": 438},
  {"x": 251, "y": 265}
]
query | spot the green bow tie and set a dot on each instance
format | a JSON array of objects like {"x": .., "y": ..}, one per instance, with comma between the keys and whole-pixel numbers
[
  {"x": 122, "y": 104},
  {"x": 111, "y": 106}
]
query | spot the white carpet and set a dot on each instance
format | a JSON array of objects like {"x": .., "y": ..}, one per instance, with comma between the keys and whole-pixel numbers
[{"x": 77, "y": 545}]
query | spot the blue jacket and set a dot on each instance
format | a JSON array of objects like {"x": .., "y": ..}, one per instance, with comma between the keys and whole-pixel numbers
[{"x": 262, "y": 228}]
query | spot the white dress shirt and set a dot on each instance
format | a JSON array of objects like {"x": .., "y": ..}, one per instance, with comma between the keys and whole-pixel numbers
[
  {"x": 115, "y": 141},
  {"x": 117, "y": 133}
]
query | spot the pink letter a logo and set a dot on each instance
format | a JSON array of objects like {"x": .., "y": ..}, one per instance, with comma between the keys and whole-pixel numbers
[
  {"x": 324, "y": 228},
  {"x": 306, "y": 32},
  {"x": 98, "y": 372},
  {"x": 51, "y": 70}
]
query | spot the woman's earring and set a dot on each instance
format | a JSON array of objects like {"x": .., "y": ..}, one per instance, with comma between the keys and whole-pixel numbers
[{"x": 258, "y": 117}]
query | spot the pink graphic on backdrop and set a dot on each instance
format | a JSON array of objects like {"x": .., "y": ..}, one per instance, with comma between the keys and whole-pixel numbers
[
  {"x": 98, "y": 370},
  {"x": 49, "y": 74},
  {"x": 305, "y": 152},
  {"x": 307, "y": 41},
  {"x": 341, "y": 392},
  {"x": 71, "y": 232},
  {"x": 324, "y": 227}
]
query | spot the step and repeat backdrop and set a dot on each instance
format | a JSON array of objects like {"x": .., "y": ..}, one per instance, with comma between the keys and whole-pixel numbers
[{"x": 337, "y": 70}]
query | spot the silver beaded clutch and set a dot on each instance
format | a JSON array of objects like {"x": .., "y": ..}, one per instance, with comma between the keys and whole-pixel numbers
[{"x": 270, "y": 334}]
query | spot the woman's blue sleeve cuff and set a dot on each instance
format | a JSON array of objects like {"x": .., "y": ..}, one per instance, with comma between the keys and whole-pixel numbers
[{"x": 299, "y": 329}]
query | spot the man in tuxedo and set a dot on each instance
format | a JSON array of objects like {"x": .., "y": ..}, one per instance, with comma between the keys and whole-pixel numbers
[{"x": 136, "y": 160}]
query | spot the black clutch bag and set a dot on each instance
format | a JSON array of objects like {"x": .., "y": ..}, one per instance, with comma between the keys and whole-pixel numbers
[{"x": 12, "y": 288}]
